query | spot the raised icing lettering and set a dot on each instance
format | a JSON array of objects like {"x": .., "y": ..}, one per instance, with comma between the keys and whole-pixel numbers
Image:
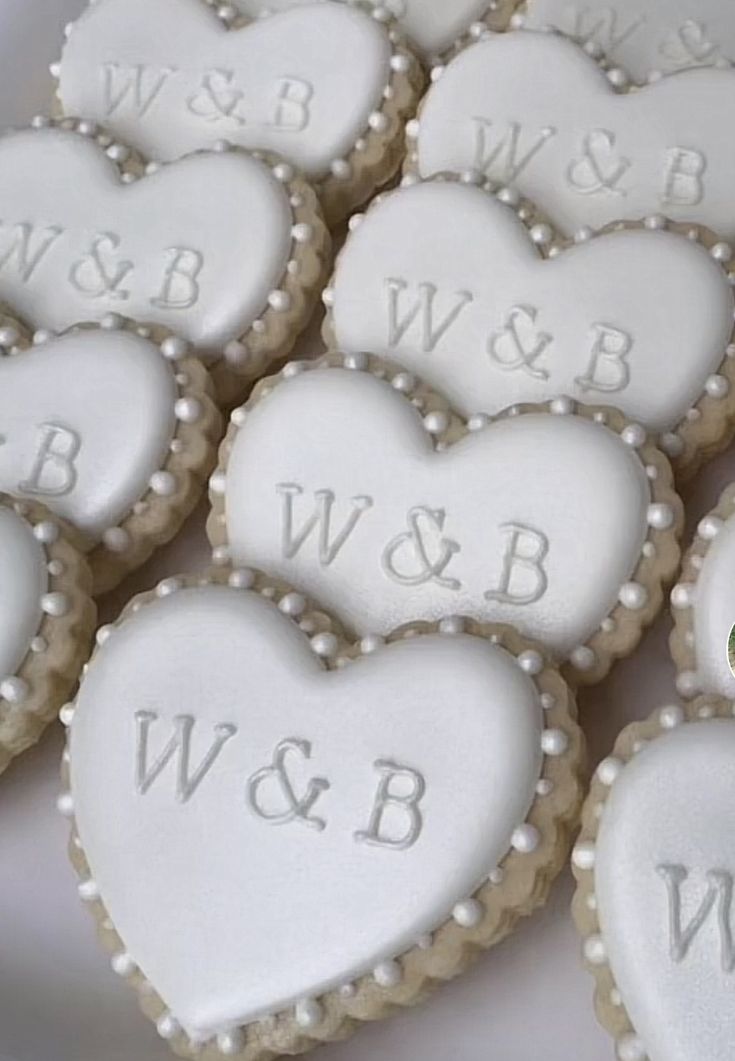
[
  {"x": 94, "y": 277},
  {"x": 396, "y": 819},
  {"x": 292, "y": 113},
  {"x": 27, "y": 247},
  {"x": 504, "y": 157},
  {"x": 683, "y": 177},
  {"x": 178, "y": 748},
  {"x": 608, "y": 370},
  {"x": 320, "y": 519},
  {"x": 421, "y": 310},
  {"x": 53, "y": 472},
  {"x": 422, "y": 553},
  {"x": 217, "y": 99},
  {"x": 689, "y": 45},
  {"x": 518, "y": 345},
  {"x": 604, "y": 26},
  {"x": 136, "y": 84},
  {"x": 288, "y": 806},
  {"x": 180, "y": 288},
  {"x": 523, "y": 578},
  {"x": 718, "y": 895},
  {"x": 598, "y": 169}
]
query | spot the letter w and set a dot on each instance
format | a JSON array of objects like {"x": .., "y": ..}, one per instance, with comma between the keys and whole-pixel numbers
[
  {"x": 321, "y": 517},
  {"x": 503, "y": 160},
  {"x": 719, "y": 892},
  {"x": 27, "y": 255},
  {"x": 179, "y": 748},
  {"x": 423, "y": 307},
  {"x": 144, "y": 85}
]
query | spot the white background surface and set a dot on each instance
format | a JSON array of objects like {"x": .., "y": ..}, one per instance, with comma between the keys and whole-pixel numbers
[{"x": 528, "y": 1000}]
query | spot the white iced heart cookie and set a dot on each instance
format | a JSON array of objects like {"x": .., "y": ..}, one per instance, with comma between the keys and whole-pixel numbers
[
  {"x": 113, "y": 430},
  {"x": 445, "y": 279},
  {"x": 311, "y": 792},
  {"x": 46, "y": 621},
  {"x": 534, "y": 111},
  {"x": 432, "y": 26},
  {"x": 703, "y": 607},
  {"x": 84, "y": 232},
  {"x": 643, "y": 36},
  {"x": 362, "y": 489},
  {"x": 655, "y": 866},
  {"x": 326, "y": 86}
]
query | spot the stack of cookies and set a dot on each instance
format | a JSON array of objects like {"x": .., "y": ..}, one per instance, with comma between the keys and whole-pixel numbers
[{"x": 426, "y": 535}]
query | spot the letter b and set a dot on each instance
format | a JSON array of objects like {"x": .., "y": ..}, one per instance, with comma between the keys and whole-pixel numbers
[
  {"x": 53, "y": 473},
  {"x": 396, "y": 820}
]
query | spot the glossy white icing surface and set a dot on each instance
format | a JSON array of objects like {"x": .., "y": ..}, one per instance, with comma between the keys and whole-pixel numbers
[
  {"x": 444, "y": 279},
  {"x": 713, "y": 614},
  {"x": 196, "y": 246},
  {"x": 666, "y": 841},
  {"x": 533, "y": 110},
  {"x": 644, "y": 36},
  {"x": 230, "y": 907},
  {"x": 23, "y": 581},
  {"x": 168, "y": 77},
  {"x": 86, "y": 420},
  {"x": 333, "y": 484}
]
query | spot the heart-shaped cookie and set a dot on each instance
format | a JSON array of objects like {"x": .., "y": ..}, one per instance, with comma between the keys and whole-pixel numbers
[
  {"x": 326, "y": 86},
  {"x": 112, "y": 428},
  {"x": 361, "y": 488},
  {"x": 703, "y": 607},
  {"x": 534, "y": 111},
  {"x": 644, "y": 36},
  {"x": 655, "y": 866},
  {"x": 85, "y": 232},
  {"x": 46, "y": 621},
  {"x": 447, "y": 280},
  {"x": 432, "y": 26},
  {"x": 294, "y": 850}
]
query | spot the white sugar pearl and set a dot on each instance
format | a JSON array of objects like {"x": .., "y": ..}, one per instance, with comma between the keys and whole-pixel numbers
[
  {"x": 280, "y": 301},
  {"x": 325, "y": 645},
  {"x": 167, "y": 1026},
  {"x": 46, "y": 532},
  {"x": 88, "y": 891},
  {"x": 308, "y": 1013},
  {"x": 188, "y": 410},
  {"x": 671, "y": 716},
  {"x": 388, "y": 974},
  {"x": 531, "y": 662},
  {"x": 163, "y": 484},
  {"x": 242, "y": 579},
  {"x": 55, "y": 604},
  {"x": 292, "y": 604},
  {"x": 116, "y": 539},
  {"x": 554, "y": 742},
  {"x": 230, "y": 1042},
  {"x": 468, "y": 913},
  {"x": 583, "y": 856},
  {"x": 174, "y": 348},
  {"x": 436, "y": 423},
  {"x": 633, "y": 435},
  {"x": 608, "y": 770},
  {"x": 525, "y": 838},
  {"x": 660, "y": 516},
  {"x": 123, "y": 964},
  {"x": 630, "y": 1048},
  {"x": 633, "y": 596}
]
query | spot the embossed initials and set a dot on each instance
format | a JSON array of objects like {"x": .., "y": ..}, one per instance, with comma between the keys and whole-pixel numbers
[
  {"x": 523, "y": 579},
  {"x": 293, "y": 96},
  {"x": 179, "y": 748},
  {"x": 503, "y": 160},
  {"x": 424, "y": 569},
  {"x": 53, "y": 473},
  {"x": 604, "y": 26},
  {"x": 719, "y": 893},
  {"x": 598, "y": 170},
  {"x": 422, "y": 308},
  {"x": 180, "y": 288},
  {"x": 22, "y": 251},
  {"x": 689, "y": 45},
  {"x": 321, "y": 518},
  {"x": 296, "y": 809},
  {"x": 217, "y": 100},
  {"x": 137, "y": 84},
  {"x": 683, "y": 177},
  {"x": 396, "y": 820},
  {"x": 92, "y": 277},
  {"x": 519, "y": 345},
  {"x": 608, "y": 370}
]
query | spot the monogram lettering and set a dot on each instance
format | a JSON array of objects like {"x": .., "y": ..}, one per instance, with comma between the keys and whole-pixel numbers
[
  {"x": 503, "y": 160},
  {"x": 22, "y": 250},
  {"x": 53, "y": 473},
  {"x": 296, "y": 809},
  {"x": 427, "y": 563},
  {"x": 519, "y": 345},
  {"x": 179, "y": 748},
  {"x": 604, "y": 27},
  {"x": 683, "y": 183},
  {"x": 719, "y": 894},
  {"x": 321, "y": 519},
  {"x": 217, "y": 100},
  {"x": 689, "y": 46},
  {"x": 608, "y": 370},
  {"x": 396, "y": 820},
  {"x": 180, "y": 288},
  {"x": 91, "y": 276},
  {"x": 422, "y": 310},
  {"x": 598, "y": 170},
  {"x": 523, "y": 578},
  {"x": 138, "y": 84},
  {"x": 292, "y": 112}
]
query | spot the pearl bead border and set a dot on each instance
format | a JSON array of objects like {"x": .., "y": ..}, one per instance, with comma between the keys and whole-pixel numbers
[
  {"x": 170, "y": 494},
  {"x": 682, "y": 642},
  {"x": 288, "y": 307},
  {"x": 518, "y": 885},
  {"x": 49, "y": 669},
  {"x": 609, "y": 1004},
  {"x": 378, "y": 150},
  {"x": 708, "y": 426},
  {"x": 640, "y": 598}
]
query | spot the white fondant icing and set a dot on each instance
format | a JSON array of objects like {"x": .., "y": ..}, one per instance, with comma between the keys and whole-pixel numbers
[
  {"x": 169, "y": 78},
  {"x": 534, "y": 111},
  {"x": 85, "y": 421},
  {"x": 202, "y": 891},
  {"x": 444, "y": 279},
  {"x": 23, "y": 581},
  {"x": 644, "y": 36},
  {"x": 405, "y": 533},
  {"x": 432, "y": 25},
  {"x": 671, "y": 807},
  {"x": 713, "y": 614},
  {"x": 196, "y": 246}
]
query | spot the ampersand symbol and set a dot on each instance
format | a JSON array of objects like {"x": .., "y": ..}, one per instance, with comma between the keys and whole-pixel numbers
[
  {"x": 689, "y": 44},
  {"x": 413, "y": 540},
  {"x": 297, "y": 809},
  {"x": 217, "y": 100},
  {"x": 518, "y": 345},
  {"x": 91, "y": 277},
  {"x": 598, "y": 169}
]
